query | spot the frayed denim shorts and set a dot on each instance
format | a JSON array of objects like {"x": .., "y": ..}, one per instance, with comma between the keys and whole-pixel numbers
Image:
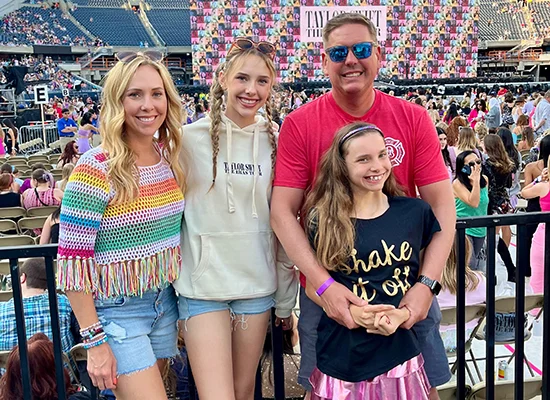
[
  {"x": 140, "y": 330},
  {"x": 192, "y": 307}
]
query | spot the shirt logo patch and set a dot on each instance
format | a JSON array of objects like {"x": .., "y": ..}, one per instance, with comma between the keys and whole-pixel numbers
[{"x": 396, "y": 151}]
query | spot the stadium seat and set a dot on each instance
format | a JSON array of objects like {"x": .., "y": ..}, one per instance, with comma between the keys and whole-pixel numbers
[
  {"x": 504, "y": 390},
  {"x": 41, "y": 211},
  {"x": 8, "y": 226},
  {"x": 16, "y": 240},
  {"x": 28, "y": 224},
  {"x": 5, "y": 295},
  {"x": 12, "y": 212}
]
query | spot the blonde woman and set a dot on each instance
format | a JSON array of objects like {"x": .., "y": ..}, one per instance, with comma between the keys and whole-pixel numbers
[
  {"x": 65, "y": 174},
  {"x": 466, "y": 142},
  {"x": 119, "y": 240},
  {"x": 232, "y": 272}
]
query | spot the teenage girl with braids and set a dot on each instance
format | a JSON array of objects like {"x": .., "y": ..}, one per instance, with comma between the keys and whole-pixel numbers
[{"x": 233, "y": 270}]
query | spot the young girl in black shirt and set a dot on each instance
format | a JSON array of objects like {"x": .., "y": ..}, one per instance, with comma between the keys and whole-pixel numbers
[{"x": 370, "y": 238}]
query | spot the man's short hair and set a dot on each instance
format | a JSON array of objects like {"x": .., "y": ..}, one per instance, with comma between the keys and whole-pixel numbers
[
  {"x": 348, "y": 19},
  {"x": 35, "y": 271},
  {"x": 547, "y": 94},
  {"x": 65, "y": 110},
  {"x": 6, "y": 169}
]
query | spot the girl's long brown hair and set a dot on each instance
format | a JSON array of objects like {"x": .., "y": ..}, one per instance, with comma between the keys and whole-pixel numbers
[
  {"x": 497, "y": 154},
  {"x": 448, "y": 280},
  {"x": 329, "y": 205}
]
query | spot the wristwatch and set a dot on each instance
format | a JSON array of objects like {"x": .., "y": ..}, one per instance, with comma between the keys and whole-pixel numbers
[{"x": 434, "y": 285}]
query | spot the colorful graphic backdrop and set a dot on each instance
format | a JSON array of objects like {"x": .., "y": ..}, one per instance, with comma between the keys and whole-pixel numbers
[{"x": 424, "y": 38}]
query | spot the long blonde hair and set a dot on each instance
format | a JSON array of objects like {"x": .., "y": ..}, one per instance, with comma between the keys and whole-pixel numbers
[
  {"x": 217, "y": 93},
  {"x": 448, "y": 280},
  {"x": 466, "y": 139},
  {"x": 65, "y": 174},
  {"x": 329, "y": 205},
  {"x": 122, "y": 170}
]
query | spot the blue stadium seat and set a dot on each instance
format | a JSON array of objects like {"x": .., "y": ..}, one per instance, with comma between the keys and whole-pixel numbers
[
  {"x": 168, "y": 3},
  {"x": 115, "y": 26},
  {"x": 172, "y": 25}
]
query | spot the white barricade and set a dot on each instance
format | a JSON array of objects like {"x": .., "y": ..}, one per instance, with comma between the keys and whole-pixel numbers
[{"x": 28, "y": 133}]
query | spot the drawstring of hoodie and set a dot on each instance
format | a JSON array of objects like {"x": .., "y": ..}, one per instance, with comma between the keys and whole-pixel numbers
[
  {"x": 255, "y": 152},
  {"x": 256, "y": 141},
  {"x": 229, "y": 184}
]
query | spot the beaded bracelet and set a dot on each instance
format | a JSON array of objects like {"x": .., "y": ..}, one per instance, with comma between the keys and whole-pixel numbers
[
  {"x": 95, "y": 343},
  {"x": 84, "y": 332}
]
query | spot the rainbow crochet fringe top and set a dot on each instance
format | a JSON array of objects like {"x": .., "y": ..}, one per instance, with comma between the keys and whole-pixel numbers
[{"x": 123, "y": 249}]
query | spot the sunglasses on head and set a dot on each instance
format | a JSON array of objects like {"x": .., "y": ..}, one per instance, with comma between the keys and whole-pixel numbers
[
  {"x": 129, "y": 56},
  {"x": 361, "y": 51},
  {"x": 242, "y": 43},
  {"x": 472, "y": 163}
]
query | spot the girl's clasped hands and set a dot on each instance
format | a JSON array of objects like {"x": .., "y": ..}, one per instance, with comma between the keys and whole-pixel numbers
[{"x": 380, "y": 319}]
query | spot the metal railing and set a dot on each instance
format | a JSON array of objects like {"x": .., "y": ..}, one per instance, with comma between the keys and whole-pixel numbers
[
  {"x": 522, "y": 260},
  {"x": 28, "y": 133},
  {"x": 491, "y": 222}
]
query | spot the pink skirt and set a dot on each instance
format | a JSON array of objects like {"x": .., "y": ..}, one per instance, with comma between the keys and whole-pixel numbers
[{"x": 404, "y": 382}]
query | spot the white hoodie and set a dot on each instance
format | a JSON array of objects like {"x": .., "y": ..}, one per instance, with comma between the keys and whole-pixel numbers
[{"x": 229, "y": 250}]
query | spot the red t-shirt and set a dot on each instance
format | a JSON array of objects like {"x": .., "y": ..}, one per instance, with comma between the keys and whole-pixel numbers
[{"x": 411, "y": 139}]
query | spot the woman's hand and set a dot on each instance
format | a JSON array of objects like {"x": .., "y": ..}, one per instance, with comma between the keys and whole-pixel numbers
[
  {"x": 475, "y": 176},
  {"x": 102, "y": 367},
  {"x": 287, "y": 323}
]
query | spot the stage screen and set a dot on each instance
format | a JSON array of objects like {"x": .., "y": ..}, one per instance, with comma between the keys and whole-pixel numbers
[{"x": 419, "y": 38}]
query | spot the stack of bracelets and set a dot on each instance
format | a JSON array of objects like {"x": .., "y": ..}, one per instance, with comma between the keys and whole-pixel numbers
[{"x": 93, "y": 336}]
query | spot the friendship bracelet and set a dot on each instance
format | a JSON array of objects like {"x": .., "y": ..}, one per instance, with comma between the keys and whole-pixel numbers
[
  {"x": 84, "y": 331},
  {"x": 95, "y": 339},
  {"x": 88, "y": 346},
  {"x": 324, "y": 286},
  {"x": 92, "y": 333}
]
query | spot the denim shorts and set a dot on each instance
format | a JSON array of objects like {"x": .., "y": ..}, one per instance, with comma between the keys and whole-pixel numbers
[
  {"x": 140, "y": 330},
  {"x": 192, "y": 307},
  {"x": 427, "y": 332}
]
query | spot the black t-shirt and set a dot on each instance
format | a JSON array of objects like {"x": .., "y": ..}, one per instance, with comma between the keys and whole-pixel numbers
[
  {"x": 384, "y": 265},
  {"x": 10, "y": 200}
]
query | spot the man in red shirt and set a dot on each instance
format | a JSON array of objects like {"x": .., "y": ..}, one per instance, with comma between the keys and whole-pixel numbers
[{"x": 416, "y": 157}]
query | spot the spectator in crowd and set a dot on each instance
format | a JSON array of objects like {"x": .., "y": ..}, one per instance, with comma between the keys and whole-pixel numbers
[
  {"x": 36, "y": 308},
  {"x": 408, "y": 129},
  {"x": 472, "y": 199},
  {"x": 481, "y": 132},
  {"x": 43, "y": 192},
  {"x": 66, "y": 127},
  {"x": 8, "y": 197},
  {"x": 16, "y": 177},
  {"x": 28, "y": 182},
  {"x": 506, "y": 110},
  {"x": 50, "y": 230},
  {"x": 541, "y": 117},
  {"x": 8, "y": 169},
  {"x": 43, "y": 376},
  {"x": 478, "y": 114},
  {"x": 70, "y": 154},
  {"x": 448, "y": 153},
  {"x": 538, "y": 188},
  {"x": 521, "y": 124},
  {"x": 451, "y": 113},
  {"x": 493, "y": 116},
  {"x": 65, "y": 174},
  {"x": 11, "y": 136},
  {"x": 517, "y": 111},
  {"x": 527, "y": 141},
  {"x": 453, "y": 130},
  {"x": 85, "y": 133},
  {"x": 515, "y": 156}
]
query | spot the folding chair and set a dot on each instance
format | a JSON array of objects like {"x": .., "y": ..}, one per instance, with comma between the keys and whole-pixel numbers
[
  {"x": 4, "y": 358},
  {"x": 474, "y": 312},
  {"x": 8, "y": 226},
  {"x": 41, "y": 211},
  {"x": 12, "y": 212},
  {"x": 504, "y": 390},
  {"x": 16, "y": 240},
  {"x": 5, "y": 295},
  {"x": 448, "y": 391},
  {"x": 507, "y": 305},
  {"x": 27, "y": 224}
]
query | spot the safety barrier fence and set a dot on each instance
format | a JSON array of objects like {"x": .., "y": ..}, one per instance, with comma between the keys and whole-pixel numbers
[{"x": 522, "y": 221}]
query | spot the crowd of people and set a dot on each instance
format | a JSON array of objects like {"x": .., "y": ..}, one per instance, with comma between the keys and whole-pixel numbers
[{"x": 174, "y": 244}]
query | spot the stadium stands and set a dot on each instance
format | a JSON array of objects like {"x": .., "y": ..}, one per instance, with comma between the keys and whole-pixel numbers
[
  {"x": 100, "y": 3},
  {"x": 172, "y": 25},
  {"x": 169, "y": 3},
  {"x": 502, "y": 20},
  {"x": 115, "y": 26},
  {"x": 541, "y": 17}
]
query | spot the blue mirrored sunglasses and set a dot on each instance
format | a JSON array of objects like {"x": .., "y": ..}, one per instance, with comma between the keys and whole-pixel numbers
[{"x": 361, "y": 50}]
